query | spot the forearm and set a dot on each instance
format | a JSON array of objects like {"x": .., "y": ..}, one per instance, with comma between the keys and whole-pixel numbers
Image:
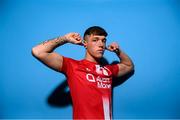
[{"x": 48, "y": 46}]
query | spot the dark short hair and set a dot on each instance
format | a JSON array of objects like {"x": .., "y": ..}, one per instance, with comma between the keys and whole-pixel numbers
[{"x": 95, "y": 30}]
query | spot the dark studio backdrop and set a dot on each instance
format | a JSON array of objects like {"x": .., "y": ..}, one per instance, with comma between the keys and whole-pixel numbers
[{"x": 147, "y": 30}]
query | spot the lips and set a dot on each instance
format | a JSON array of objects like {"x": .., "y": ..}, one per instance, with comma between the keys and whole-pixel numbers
[{"x": 100, "y": 50}]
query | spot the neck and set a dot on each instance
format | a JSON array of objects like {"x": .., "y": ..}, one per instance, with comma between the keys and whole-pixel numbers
[{"x": 91, "y": 58}]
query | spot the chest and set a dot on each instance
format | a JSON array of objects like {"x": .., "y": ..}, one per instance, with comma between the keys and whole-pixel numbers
[{"x": 93, "y": 76}]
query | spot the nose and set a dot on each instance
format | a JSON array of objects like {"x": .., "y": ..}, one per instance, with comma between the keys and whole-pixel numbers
[{"x": 101, "y": 44}]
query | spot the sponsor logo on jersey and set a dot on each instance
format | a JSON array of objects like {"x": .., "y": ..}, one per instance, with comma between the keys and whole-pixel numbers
[{"x": 102, "y": 82}]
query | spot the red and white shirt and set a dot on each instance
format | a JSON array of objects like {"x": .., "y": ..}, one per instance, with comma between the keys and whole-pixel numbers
[{"x": 90, "y": 87}]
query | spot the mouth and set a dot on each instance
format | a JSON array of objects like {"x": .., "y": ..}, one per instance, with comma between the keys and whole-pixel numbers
[{"x": 101, "y": 51}]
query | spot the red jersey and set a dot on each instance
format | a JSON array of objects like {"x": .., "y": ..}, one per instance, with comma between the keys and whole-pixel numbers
[{"x": 90, "y": 87}]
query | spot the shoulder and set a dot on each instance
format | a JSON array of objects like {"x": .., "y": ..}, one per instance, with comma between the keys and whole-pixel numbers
[
  {"x": 68, "y": 64},
  {"x": 69, "y": 60},
  {"x": 113, "y": 68}
]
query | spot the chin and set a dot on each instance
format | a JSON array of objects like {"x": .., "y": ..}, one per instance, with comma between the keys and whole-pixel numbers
[{"x": 99, "y": 56}]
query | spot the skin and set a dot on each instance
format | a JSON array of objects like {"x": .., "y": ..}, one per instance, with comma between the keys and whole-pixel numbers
[{"x": 95, "y": 46}]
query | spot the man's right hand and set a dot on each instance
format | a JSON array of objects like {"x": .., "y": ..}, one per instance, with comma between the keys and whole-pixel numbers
[{"x": 73, "y": 38}]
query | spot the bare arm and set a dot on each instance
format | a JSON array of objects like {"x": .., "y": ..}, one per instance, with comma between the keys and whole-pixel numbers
[
  {"x": 44, "y": 51},
  {"x": 125, "y": 65}
]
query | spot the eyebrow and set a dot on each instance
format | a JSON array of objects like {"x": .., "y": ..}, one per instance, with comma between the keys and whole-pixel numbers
[{"x": 98, "y": 38}]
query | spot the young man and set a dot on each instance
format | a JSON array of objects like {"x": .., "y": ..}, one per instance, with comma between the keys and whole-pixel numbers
[{"x": 89, "y": 81}]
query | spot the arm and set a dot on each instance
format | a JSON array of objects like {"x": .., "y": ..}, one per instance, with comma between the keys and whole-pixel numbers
[
  {"x": 125, "y": 65},
  {"x": 44, "y": 51}
]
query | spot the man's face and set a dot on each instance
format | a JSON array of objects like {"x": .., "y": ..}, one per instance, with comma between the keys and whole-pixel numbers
[{"x": 95, "y": 45}]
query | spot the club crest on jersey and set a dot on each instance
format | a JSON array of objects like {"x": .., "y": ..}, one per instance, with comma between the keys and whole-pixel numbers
[{"x": 101, "y": 70}]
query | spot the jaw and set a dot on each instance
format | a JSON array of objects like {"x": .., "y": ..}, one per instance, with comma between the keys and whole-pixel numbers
[{"x": 94, "y": 58}]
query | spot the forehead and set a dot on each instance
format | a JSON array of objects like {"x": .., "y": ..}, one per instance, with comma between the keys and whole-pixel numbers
[{"x": 98, "y": 36}]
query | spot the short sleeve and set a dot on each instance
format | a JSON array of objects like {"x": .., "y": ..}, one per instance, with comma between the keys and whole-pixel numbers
[
  {"x": 65, "y": 65},
  {"x": 114, "y": 69}
]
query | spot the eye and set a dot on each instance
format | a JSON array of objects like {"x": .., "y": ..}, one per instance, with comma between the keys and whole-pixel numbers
[
  {"x": 104, "y": 41},
  {"x": 94, "y": 40}
]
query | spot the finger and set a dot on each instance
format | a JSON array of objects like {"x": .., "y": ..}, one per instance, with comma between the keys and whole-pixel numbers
[
  {"x": 109, "y": 47},
  {"x": 78, "y": 38},
  {"x": 112, "y": 47},
  {"x": 77, "y": 34},
  {"x": 73, "y": 35},
  {"x": 115, "y": 44},
  {"x": 80, "y": 43}
]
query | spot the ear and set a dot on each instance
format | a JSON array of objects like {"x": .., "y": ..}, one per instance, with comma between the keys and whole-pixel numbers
[{"x": 85, "y": 43}]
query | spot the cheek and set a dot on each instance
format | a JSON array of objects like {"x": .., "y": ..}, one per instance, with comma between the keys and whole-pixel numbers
[
  {"x": 91, "y": 49},
  {"x": 91, "y": 45}
]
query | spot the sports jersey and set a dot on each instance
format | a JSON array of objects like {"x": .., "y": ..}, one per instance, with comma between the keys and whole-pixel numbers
[{"x": 90, "y": 87}]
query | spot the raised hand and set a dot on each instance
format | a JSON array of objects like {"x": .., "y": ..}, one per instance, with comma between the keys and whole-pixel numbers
[
  {"x": 113, "y": 47},
  {"x": 73, "y": 38}
]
